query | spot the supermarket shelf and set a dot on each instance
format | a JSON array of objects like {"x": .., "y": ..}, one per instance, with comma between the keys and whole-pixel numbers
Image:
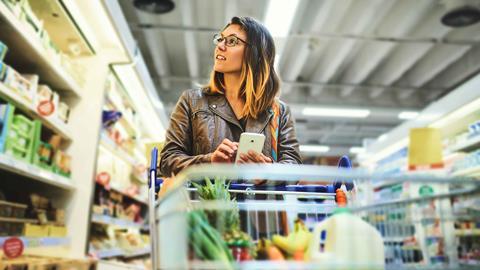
[
  {"x": 107, "y": 253},
  {"x": 18, "y": 220},
  {"x": 473, "y": 171},
  {"x": 470, "y": 232},
  {"x": 31, "y": 171},
  {"x": 118, "y": 252},
  {"x": 472, "y": 262},
  {"x": 107, "y": 220},
  {"x": 137, "y": 253},
  {"x": 136, "y": 198},
  {"x": 116, "y": 150},
  {"x": 468, "y": 145},
  {"x": 56, "y": 125},
  {"x": 28, "y": 52},
  {"x": 32, "y": 242}
]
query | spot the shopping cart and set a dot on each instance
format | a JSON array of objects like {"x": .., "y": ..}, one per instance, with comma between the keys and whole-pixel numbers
[{"x": 421, "y": 218}]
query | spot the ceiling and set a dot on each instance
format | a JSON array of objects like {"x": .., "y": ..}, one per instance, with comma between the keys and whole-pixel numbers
[{"x": 385, "y": 56}]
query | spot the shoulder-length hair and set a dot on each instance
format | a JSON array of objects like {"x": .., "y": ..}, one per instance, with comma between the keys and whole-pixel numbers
[{"x": 259, "y": 81}]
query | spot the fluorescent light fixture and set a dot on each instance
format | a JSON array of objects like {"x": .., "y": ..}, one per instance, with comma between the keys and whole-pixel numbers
[
  {"x": 357, "y": 150},
  {"x": 336, "y": 112},
  {"x": 279, "y": 16},
  {"x": 457, "y": 114},
  {"x": 136, "y": 90},
  {"x": 407, "y": 115},
  {"x": 314, "y": 148},
  {"x": 382, "y": 137}
]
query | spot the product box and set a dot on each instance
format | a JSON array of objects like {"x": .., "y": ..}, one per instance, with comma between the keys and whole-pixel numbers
[
  {"x": 32, "y": 230},
  {"x": 46, "y": 101},
  {"x": 15, "y": 6},
  {"x": 3, "y": 51},
  {"x": 28, "y": 16},
  {"x": 63, "y": 112},
  {"x": 57, "y": 231},
  {"x": 19, "y": 84}
]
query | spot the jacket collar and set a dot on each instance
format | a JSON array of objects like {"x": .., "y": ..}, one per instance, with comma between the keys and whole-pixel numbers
[{"x": 219, "y": 105}]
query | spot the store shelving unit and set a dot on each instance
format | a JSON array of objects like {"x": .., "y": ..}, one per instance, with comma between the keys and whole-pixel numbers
[
  {"x": 54, "y": 124},
  {"x": 35, "y": 173},
  {"x": 456, "y": 111},
  {"x": 29, "y": 52},
  {"x": 122, "y": 223},
  {"x": 35, "y": 242}
]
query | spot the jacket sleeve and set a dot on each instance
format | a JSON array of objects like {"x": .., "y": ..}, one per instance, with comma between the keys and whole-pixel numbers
[
  {"x": 177, "y": 153},
  {"x": 288, "y": 146}
]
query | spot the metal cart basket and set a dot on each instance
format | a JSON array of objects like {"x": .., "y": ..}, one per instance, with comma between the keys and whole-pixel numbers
[{"x": 425, "y": 221}]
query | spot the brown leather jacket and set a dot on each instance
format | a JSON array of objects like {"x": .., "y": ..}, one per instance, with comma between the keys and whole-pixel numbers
[{"x": 200, "y": 122}]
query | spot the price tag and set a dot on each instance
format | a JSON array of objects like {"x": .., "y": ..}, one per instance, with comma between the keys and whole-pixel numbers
[{"x": 13, "y": 247}]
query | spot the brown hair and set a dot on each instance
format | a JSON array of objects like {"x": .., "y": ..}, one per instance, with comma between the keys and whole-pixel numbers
[{"x": 260, "y": 83}]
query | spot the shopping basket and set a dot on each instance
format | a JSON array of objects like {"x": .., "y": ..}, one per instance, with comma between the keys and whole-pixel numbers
[{"x": 421, "y": 218}]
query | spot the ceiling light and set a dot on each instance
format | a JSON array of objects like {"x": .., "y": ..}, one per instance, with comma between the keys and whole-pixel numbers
[
  {"x": 279, "y": 16},
  {"x": 336, "y": 112},
  {"x": 407, "y": 115},
  {"x": 382, "y": 137},
  {"x": 154, "y": 6},
  {"x": 314, "y": 148},
  {"x": 461, "y": 16},
  {"x": 357, "y": 150}
]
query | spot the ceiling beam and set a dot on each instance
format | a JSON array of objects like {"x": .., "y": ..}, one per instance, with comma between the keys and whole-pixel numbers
[
  {"x": 436, "y": 58},
  {"x": 355, "y": 22},
  {"x": 297, "y": 58},
  {"x": 309, "y": 84},
  {"x": 156, "y": 46},
  {"x": 190, "y": 41}
]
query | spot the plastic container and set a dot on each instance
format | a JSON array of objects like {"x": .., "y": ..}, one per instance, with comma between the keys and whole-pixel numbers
[
  {"x": 22, "y": 123},
  {"x": 340, "y": 241}
]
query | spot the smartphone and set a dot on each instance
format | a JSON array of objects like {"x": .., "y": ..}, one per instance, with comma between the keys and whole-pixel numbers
[{"x": 250, "y": 141}]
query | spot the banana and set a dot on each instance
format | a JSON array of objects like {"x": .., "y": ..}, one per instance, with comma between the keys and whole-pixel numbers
[{"x": 296, "y": 241}]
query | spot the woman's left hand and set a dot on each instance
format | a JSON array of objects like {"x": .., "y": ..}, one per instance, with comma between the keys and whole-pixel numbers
[{"x": 254, "y": 157}]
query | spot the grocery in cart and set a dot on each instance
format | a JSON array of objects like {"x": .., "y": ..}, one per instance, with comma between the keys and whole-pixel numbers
[{"x": 356, "y": 220}]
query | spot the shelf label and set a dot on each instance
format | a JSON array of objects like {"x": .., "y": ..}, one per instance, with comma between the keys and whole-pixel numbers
[{"x": 13, "y": 247}]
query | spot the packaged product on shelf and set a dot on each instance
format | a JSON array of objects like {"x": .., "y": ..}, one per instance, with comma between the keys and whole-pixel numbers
[
  {"x": 11, "y": 228},
  {"x": 33, "y": 79},
  {"x": 3, "y": 71},
  {"x": 28, "y": 16},
  {"x": 50, "y": 48},
  {"x": 63, "y": 111},
  {"x": 15, "y": 6},
  {"x": 33, "y": 230},
  {"x": 61, "y": 163},
  {"x": 12, "y": 210},
  {"x": 3, "y": 51},
  {"x": 46, "y": 101},
  {"x": 57, "y": 231},
  {"x": 18, "y": 83}
]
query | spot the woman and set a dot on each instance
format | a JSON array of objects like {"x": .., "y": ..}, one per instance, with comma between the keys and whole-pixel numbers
[{"x": 206, "y": 124}]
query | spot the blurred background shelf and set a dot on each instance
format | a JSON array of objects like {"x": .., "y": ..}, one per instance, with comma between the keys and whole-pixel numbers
[{"x": 33, "y": 172}]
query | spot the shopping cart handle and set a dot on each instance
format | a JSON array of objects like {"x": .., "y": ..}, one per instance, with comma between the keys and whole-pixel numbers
[
  {"x": 296, "y": 188},
  {"x": 344, "y": 162}
]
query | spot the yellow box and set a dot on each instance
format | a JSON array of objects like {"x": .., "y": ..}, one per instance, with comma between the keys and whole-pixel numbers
[
  {"x": 57, "y": 231},
  {"x": 32, "y": 230}
]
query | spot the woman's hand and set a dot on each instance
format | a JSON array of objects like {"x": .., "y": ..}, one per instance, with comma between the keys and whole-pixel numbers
[
  {"x": 254, "y": 157},
  {"x": 225, "y": 152}
]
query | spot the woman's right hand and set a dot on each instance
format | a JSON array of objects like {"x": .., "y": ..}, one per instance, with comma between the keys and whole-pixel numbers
[{"x": 225, "y": 152}]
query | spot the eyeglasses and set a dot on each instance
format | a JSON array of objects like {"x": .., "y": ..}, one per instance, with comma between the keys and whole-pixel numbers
[{"x": 230, "y": 41}]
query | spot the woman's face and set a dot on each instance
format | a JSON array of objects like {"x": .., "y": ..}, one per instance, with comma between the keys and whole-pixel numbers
[{"x": 230, "y": 59}]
